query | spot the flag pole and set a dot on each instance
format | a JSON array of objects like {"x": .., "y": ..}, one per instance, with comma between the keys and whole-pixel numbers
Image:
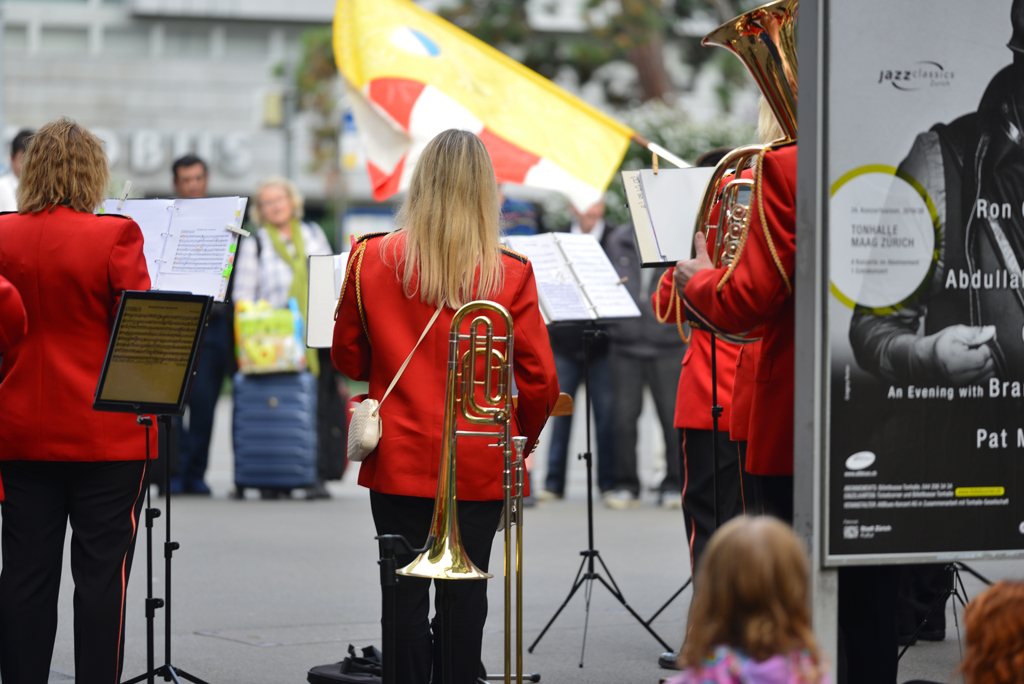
[{"x": 657, "y": 149}]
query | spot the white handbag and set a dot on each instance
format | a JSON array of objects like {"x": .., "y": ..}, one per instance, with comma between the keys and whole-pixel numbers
[{"x": 365, "y": 427}]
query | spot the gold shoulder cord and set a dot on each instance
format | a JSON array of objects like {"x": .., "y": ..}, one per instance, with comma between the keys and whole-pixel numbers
[
  {"x": 344, "y": 284},
  {"x": 764, "y": 227},
  {"x": 673, "y": 299},
  {"x": 359, "y": 290}
]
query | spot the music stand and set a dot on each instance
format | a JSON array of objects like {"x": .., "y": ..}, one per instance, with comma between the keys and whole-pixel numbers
[
  {"x": 590, "y": 553},
  {"x": 149, "y": 368}
]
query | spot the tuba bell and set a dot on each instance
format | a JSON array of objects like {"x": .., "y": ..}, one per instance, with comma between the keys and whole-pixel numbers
[
  {"x": 479, "y": 389},
  {"x": 764, "y": 40}
]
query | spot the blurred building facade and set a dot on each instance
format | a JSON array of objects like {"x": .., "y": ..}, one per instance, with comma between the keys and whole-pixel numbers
[{"x": 156, "y": 79}]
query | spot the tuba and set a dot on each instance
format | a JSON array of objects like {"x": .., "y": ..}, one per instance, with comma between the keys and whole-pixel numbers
[
  {"x": 764, "y": 40},
  {"x": 479, "y": 389}
]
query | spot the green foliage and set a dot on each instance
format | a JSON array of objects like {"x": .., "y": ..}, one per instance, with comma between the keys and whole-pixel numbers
[{"x": 316, "y": 91}]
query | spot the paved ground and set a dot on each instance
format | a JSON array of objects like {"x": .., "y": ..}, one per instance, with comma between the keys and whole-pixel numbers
[{"x": 263, "y": 590}]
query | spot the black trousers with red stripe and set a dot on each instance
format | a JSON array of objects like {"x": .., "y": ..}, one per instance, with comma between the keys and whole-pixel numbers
[
  {"x": 102, "y": 500},
  {"x": 697, "y": 468}
]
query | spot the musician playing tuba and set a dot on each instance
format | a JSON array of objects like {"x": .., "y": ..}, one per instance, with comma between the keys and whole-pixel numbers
[
  {"x": 756, "y": 290},
  {"x": 444, "y": 254}
]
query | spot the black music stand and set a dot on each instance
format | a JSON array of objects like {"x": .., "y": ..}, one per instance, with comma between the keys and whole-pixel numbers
[
  {"x": 590, "y": 553},
  {"x": 149, "y": 368}
]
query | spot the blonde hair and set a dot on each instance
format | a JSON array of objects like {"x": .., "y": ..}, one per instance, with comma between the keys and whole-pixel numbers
[
  {"x": 768, "y": 128},
  {"x": 64, "y": 164},
  {"x": 274, "y": 181},
  {"x": 450, "y": 220},
  {"x": 752, "y": 594}
]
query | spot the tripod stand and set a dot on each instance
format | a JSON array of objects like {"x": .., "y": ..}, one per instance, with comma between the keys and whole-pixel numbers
[
  {"x": 168, "y": 671},
  {"x": 590, "y": 554},
  {"x": 954, "y": 588}
]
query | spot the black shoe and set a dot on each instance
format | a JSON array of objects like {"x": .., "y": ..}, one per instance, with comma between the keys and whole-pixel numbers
[
  {"x": 319, "y": 490},
  {"x": 932, "y": 634},
  {"x": 667, "y": 661}
]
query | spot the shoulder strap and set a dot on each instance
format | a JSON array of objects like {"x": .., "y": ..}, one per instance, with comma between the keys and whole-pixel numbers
[{"x": 408, "y": 359}]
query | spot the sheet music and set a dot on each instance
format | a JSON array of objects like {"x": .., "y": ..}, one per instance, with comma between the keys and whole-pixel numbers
[
  {"x": 187, "y": 245},
  {"x": 596, "y": 276},
  {"x": 646, "y": 240},
  {"x": 672, "y": 198},
  {"x": 560, "y": 296},
  {"x": 326, "y": 276},
  {"x": 154, "y": 218}
]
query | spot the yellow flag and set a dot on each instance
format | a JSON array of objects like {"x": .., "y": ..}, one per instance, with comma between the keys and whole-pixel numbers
[{"x": 412, "y": 75}]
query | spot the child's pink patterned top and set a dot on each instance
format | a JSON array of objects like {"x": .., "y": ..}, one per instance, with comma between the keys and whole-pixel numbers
[{"x": 732, "y": 666}]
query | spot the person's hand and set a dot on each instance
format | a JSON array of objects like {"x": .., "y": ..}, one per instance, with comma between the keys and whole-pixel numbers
[
  {"x": 687, "y": 269},
  {"x": 961, "y": 353}
]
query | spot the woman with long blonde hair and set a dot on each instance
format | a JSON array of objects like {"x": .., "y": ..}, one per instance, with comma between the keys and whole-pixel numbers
[
  {"x": 445, "y": 253},
  {"x": 750, "y": 620}
]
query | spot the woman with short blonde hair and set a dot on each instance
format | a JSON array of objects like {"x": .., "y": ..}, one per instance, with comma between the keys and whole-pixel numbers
[
  {"x": 64, "y": 164},
  {"x": 444, "y": 254},
  {"x": 61, "y": 461}
]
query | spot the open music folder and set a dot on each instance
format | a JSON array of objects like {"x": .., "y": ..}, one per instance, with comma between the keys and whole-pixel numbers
[
  {"x": 575, "y": 279},
  {"x": 189, "y": 244},
  {"x": 664, "y": 209},
  {"x": 326, "y": 276}
]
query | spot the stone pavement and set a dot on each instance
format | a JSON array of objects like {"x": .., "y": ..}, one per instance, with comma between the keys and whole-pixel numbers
[{"x": 263, "y": 590}]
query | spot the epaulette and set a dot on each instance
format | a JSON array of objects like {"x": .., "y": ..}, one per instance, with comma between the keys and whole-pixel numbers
[
  {"x": 4, "y": 213},
  {"x": 780, "y": 144},
  {"x": 514, "y": 254},
  {"x": 120, "y": 216},
  {"x": 367, "y": 236}
]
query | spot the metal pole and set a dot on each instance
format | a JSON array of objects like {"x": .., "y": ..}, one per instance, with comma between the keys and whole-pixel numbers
[{"x": 810, "y": 424}]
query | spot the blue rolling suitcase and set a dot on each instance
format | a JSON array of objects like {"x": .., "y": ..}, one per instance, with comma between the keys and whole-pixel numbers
[{"x": 274, "y": 433}]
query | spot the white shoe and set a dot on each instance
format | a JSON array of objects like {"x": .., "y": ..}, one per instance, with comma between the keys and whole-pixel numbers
[
  {"x": 620, "y": 499},
  {"x": 671, "y": 501},
  {"x": 548, "y": 495}
]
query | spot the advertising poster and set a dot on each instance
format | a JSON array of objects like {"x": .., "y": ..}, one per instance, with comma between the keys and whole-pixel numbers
[{"x": 925, "y": 169}]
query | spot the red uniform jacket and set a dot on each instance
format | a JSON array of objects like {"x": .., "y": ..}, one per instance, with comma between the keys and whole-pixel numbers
[
  {"x": 70, "y": 269},
  {"x": 743, "y": 391},
  {"x": 759, "y": 292},
  {"x": 693, "y": 398},
  {"x": 13, "y": 324},
  {"x": 407, "y": 458}
]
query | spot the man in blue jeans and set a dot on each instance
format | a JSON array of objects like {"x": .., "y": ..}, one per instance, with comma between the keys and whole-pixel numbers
[
  {"x": 567, "y": 345},
  {"x": 216, "y": 359}
]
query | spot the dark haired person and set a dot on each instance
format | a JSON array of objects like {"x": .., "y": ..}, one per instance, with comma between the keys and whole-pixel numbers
[
  {"x": 9, "y": 181},
  {"x": 215, "y": 361},
  {"x": 60, "y": 460},
  {"x": 190, "y": 176}
]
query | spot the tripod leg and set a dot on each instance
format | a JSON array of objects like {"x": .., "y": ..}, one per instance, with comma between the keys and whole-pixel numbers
[
  {"x": 622, "y": 599},
  {"x": 575, "y": 587},
  {"x": 672, "y": 598},
  {"x": 185, "y": 675},
  {"x": 588, "y": 592}
]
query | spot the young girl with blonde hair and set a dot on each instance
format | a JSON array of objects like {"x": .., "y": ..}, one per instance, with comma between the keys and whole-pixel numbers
[{"x": 750, "y": 620}]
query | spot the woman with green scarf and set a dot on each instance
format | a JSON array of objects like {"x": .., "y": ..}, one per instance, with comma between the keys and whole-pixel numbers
[{"x": 272, "y": 265}]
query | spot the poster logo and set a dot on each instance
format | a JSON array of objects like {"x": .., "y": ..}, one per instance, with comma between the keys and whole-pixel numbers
[
  {"x": 921, "y": 75},
  {"x": 860, "y": 460}
]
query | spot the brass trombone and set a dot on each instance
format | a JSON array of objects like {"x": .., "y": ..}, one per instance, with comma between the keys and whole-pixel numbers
[{"x": 486, "y": 364}]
